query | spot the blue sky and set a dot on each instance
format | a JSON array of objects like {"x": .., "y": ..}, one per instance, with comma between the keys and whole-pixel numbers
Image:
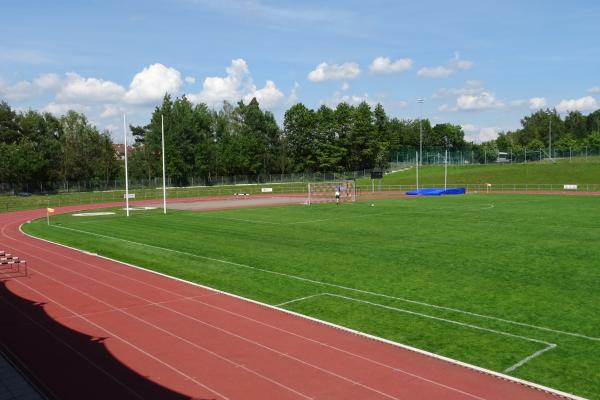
[{"x": 481, "y": 64}]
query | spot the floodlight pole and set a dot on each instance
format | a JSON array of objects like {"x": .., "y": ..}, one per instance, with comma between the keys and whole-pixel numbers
[
  {"x": 162, "y": 125},
  {"x": 550, "y": 135},
  {"x": 446, "y": 170},
  {"x": 420, "y": 101},
  {"x": 126, "y": 178},
  {"x": 417, "y": 164}
]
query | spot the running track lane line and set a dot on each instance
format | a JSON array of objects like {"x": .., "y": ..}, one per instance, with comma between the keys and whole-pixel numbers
[
  {"x": 296, "y": 277},
  {"x": 197, "y": 299},
  {"x": 349, "y": 380},
  {"x": 447, "y": 387},
  {"x": 114, "y": 335}
]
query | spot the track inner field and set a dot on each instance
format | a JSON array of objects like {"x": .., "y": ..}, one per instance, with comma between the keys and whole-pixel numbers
[{"x": 177, "y": 340}]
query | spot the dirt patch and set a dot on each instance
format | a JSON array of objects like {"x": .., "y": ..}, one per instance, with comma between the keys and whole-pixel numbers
[{"x": 223, "y": 203}]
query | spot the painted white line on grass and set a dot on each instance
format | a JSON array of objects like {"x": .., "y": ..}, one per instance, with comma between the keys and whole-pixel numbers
[
  {"x": 529, "y": 358},
  {"x": 205, "y": 215},
  {"x": 299, "y": 278},
  {"x": 336, "y": 218},
  {"x": 197, "y": 299},
  {"x": 548, "y": 346},
  {"x": 319, "y": 321},
  {"x": 300, "y": 299}
]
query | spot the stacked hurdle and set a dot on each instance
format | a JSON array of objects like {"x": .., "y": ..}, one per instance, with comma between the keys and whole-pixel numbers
[{"x": 11, "y": 265}]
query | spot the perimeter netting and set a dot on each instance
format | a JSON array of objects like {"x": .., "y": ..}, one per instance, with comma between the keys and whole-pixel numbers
[{"x": 324, "y": 192}]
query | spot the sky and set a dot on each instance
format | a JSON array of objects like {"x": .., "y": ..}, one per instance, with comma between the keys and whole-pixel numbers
[{"x": 479, "y": 64}]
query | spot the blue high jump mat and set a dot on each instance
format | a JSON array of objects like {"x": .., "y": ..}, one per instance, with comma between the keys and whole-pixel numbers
[{"x": 436, "y": 191}]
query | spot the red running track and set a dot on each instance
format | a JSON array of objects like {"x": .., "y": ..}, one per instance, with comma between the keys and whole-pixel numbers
[{"x": 87, "y": 327}]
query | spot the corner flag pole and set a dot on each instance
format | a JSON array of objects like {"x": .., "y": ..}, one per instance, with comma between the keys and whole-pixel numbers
[
  {"x": 126, "y": 178},
  {"x": 162, "y": 125}
]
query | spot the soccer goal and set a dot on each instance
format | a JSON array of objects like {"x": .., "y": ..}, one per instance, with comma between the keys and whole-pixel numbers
[{"x": 323, "y": 192}]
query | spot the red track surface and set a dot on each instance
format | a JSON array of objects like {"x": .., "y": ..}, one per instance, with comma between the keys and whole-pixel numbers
[{"x": 86, "y": 327}]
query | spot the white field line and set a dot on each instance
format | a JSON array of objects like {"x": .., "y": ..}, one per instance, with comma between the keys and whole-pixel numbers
[
  {"x": 299, "y": 278},
  {"x": 198, "y": 299},
  {"x": 529, "y": 358},
  {"x": 241, "y": 220},
  {"x": 316, "y": 320},
  {"x": 300, "y": 299},
  {"x": 336, "y": 218},
  {"x": 547, "y": 345}
]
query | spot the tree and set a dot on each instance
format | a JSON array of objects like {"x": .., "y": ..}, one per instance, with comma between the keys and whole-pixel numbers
[{"x": 299, "y": 126}]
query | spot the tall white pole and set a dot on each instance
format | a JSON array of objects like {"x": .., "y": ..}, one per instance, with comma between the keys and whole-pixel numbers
[
  {"x": 417, "y": 162},
  {"x": 420, "y": 101},
  {"x": 162, "y": 124},
  {"x": 550, "y": 136},
  {"x": 446, "y": 170},
  {"x": 126, "y": 177}
]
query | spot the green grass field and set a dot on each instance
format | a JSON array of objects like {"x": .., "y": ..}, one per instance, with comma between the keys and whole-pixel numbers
[
  {"x": 578, "y": 170},
  {"x": 488, "y": 280}
]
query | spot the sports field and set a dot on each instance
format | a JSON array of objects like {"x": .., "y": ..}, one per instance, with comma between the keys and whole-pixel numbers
[{"x": 505, "y": 282}]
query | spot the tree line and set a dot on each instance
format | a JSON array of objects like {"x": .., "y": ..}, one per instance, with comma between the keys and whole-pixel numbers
[
  {"x": 545, "y": 129},
  {"x": 37, "y": 148},
  {"x": 243, "y": 139}
]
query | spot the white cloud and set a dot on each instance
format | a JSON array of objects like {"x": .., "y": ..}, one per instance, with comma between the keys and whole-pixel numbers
[
  {"x": 62, "y": 108},
  {"x": 152, "y": 83},
  {"x": 293, "y": 97},
  {"x": 47, "y": 81},
  {"x": 216, "y": 89},
  {"x": 537, "y": 103},
  {"x": 18, "y": 91},
  {"x": 443, "y": 71},
  {"x": 345, "y": 86},
  {"x": 435, "y": 72},
  {"x": 238, "y": 85},
  {"x": 111, "y": 110},
  {"x": 334, "y": 72},
  {"x": 474, "y": 102},
  {"x": 469, "y": 128},
  {"x": 470, "y": 87},
  {"x": 595, "y": 89},
  {"x": 586, "y": 103},
  {"x": 354, "y": 99},
  {"x": 383, "y": 65},
  {"x": 79, "y": 89},
  {"x": 268, "y": 97},
  {"x": 190, "y": 80},
  {"x": 476, "y": 134}
]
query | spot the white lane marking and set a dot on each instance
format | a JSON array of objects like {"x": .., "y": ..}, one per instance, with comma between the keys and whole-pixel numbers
[
  {"x": 547, "y": 345},
  {"x": 306, "y": 317},
  {"x": 114, "y": 335},
  {"x": 529, "y": 358},
  {"x": 300, "y": 299},
  {"x": 543, "y": 328}
]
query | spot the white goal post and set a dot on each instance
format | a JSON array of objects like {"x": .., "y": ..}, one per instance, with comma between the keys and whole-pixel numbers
[{"x": 323, "y": 192}]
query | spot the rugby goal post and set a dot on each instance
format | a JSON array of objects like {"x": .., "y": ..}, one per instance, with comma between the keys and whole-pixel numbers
[{"x": 324, "y": 192}]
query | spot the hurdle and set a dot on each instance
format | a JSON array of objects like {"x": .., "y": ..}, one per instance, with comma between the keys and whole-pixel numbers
[{"x": 12, "y": 265}]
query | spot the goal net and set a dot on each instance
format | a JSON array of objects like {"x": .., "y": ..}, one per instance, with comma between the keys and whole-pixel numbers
[{"x": 325, "y": 192}]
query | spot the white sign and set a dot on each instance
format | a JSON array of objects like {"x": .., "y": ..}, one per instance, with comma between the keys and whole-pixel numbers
[
  {"x": 129, "y": 196},
  {"x": 266, "y": 190},
  {"x": 570, "y": 187}
]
